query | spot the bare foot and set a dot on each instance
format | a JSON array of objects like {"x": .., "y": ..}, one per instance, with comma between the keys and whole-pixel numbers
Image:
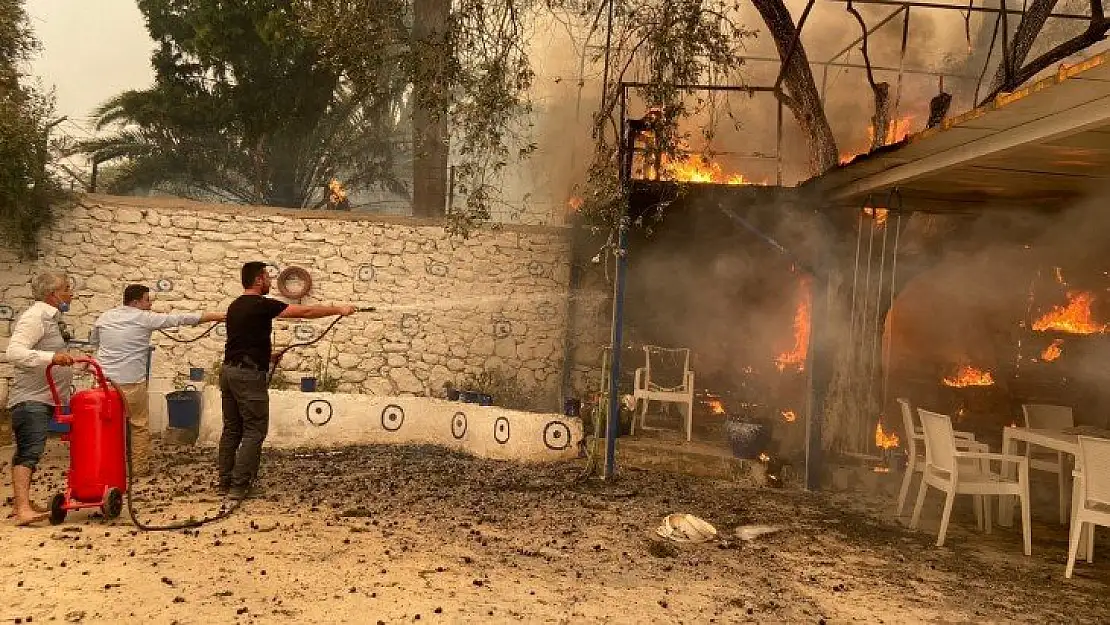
[{"x": 23, "y": 519}]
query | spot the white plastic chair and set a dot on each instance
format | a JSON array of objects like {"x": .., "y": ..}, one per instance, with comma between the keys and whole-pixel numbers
[
  {"x": 916, "y": 440},
  {"x": 1093, "y": 507},
  {"x": 1056, "y": 418},
  {"x": 944, "y": 472},
  {"x": 659, "y": 364}
]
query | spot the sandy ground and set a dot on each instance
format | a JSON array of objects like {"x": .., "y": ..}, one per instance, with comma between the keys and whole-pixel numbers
[{"x": 392, "y": 534}]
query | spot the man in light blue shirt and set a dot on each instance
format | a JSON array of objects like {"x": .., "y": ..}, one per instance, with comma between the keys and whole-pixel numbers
[{"x": 122, "y": 336}]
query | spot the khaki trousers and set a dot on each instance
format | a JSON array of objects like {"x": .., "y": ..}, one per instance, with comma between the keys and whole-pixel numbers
[{"x": 138, "y": 411}]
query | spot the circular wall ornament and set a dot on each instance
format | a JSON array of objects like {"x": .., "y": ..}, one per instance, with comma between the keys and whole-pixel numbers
[
  {"x": 458, "y": 426},
  {"x": 304, "y": 332},
  {"x": 436, "y": 268},
  {"x": 318, "y": 412},
  {"x": 220, "y": 331},
  {"x": 501, "y": 430},
  {"x": 502, "y": 328},
  {"x": 163, "y": 285},
  {"x": 365, "y": 273},
  {"x": 556, "y": 435},
  {"x": 7, "y": 313},
  {"x": 294, "y": 283},
  {"x": 393, "y": 416}
]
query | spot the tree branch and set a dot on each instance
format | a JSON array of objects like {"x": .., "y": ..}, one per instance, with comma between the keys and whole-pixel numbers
[{"x": 1096, "y": 32}]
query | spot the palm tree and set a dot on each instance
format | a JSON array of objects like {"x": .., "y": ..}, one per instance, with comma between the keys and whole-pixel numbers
[{"x": 245, "y": 108}]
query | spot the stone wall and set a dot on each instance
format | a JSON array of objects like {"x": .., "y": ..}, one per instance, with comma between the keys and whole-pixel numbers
[{"x": 448, "y": 307}]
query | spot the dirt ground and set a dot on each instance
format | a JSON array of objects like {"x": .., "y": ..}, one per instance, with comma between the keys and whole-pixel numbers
[{"x": 396, "y": 534}]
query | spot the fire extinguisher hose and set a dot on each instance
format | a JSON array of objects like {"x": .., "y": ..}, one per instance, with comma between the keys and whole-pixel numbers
[
  {"x": 224, "y": 512},
  {"x": 192, "y": 340}
]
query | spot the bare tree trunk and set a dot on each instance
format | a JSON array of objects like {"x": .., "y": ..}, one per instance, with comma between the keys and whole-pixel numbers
[
  {"x": 803, "y": 98},
  {"x": 429, "y": 123},
  {"x": 1026, "y": 35}
]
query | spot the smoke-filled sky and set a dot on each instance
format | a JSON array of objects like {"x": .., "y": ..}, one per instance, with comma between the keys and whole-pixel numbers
[{"x": 90, "y": 51}]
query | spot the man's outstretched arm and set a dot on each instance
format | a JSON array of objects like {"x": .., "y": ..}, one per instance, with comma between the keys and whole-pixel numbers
[{"x": 296, "y": 311}]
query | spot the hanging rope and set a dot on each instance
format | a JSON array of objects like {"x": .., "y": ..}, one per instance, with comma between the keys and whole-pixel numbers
[{"x": 855, "y": 274}]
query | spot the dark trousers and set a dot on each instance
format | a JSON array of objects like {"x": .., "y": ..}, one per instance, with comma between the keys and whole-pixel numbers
[{"x": 246, "y": 408}]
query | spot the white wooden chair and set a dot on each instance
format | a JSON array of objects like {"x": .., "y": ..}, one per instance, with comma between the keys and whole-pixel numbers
[
  {"x": 915, "y": 440},
  {"x": 665, "y": 377},
  {"x": 1056, "y": 418},
  {"x": 945, "y": 472},
  {"x": 1093, "y": 495}
]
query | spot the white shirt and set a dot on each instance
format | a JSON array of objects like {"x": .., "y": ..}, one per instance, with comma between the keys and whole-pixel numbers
[
  {"x": 122, "y": 335},
  {"x": 36, "y": 336}
]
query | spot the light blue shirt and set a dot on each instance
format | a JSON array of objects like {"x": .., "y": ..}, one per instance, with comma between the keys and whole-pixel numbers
[{"x": 122, "y": 336}]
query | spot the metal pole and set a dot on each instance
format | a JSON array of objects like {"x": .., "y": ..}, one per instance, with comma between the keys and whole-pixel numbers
[
  {"x": 859, "y": 39},
  {"x": 958, "y": 7},
  {"x": 824, "y": 81},
  {"x": 793, "y": 44},
  {"x": 627, "y": 140},
  {"x": 615, "y": 339}
]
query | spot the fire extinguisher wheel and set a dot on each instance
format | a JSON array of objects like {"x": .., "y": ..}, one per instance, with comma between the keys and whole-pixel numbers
[
  {"x": 113, "y": 503},
  {"x": 57, "y": 509}
]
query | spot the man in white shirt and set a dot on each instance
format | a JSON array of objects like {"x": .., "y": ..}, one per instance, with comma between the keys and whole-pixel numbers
[
  {"x": 122, "y": 336},
  {"x": 37, "y": 340}
]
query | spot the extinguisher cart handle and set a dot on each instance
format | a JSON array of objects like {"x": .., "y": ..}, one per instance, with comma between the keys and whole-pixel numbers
[{"x": 59, "y": 412}]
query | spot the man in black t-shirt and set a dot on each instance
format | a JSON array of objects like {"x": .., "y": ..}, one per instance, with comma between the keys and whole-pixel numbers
[{"x": 243, "y": 377}]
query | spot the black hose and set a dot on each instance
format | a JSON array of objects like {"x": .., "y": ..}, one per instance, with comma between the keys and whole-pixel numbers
[
  {"x": 227, "y": 510},
  {"x": 192, "y": 340},
  {"x": 224, "y": 512},
  {"x": 278, "y": 356}
]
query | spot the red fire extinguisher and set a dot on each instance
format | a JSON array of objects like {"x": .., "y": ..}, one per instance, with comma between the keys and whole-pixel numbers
[{"x": 97, "y": 475}]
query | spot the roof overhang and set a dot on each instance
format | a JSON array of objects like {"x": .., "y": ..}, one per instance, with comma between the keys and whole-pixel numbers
[{"x": 1040, "y": 146}]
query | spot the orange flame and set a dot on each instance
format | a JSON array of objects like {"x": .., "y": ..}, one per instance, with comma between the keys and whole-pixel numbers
[
  {"x": 896, "y": 130},
  {"x": 698, "y": 168},
  {"x": 789, "y": 416},
  {"x": 1054, "y": 351},
  {"x": 337, "y": 196},
  {"x": 575, "y": 203},
  {"x": 885, "y": 440},
  {"x": 880, "y": 214},
  {"x": 686, "y": 168},
  {"x": 1074, "y": 318},
  {"x": 796, "y": 357},
  {"x": 967, "y": 375},
  {"x": 715, "y": 405}
]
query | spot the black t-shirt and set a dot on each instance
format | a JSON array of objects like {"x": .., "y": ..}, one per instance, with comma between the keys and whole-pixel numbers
[{"x": 250, "y": 321}]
